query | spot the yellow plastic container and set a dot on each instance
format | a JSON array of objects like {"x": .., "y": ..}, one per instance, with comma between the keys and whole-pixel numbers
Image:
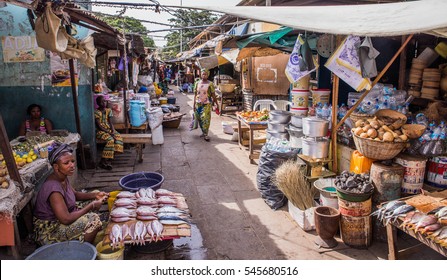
[
  {"x": 359, "y": 163},
  {"x": 106, "y": 252},
  {"x": 112, "y": 198}
]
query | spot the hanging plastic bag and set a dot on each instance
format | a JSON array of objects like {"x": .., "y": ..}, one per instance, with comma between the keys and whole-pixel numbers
[{"x": 194, "y": 122}]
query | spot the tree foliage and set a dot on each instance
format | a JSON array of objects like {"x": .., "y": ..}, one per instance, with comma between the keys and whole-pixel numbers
[
  {"x": 184, "y": 18},
  {"x": 131, "y": 26}
]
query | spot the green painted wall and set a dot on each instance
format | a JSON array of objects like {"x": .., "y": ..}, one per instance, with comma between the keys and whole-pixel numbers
[{"x": 24, "y": 83}]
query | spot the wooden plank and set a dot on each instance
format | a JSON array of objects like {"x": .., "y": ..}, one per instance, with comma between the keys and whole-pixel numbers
[
  {"x": 392, "y": 246},
  {"x": 136, "y": 138},
  {"x": 123, "y": 126}
]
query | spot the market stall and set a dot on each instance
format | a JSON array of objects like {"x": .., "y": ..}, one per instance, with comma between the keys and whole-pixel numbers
[{"x": 251, "y": 122}]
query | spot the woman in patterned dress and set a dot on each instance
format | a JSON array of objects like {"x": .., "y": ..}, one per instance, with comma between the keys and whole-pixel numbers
[
  {"x": 204, "y": 98},
  {"x": 106, "y": 132},
  {"x": 56, "y": 215}
]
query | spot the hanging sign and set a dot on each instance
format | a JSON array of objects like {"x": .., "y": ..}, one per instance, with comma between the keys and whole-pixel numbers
[
  {"x": 21, "y": 49},
  {"x": 345, "y": 63},
  {"x": 301, "y": 63}
]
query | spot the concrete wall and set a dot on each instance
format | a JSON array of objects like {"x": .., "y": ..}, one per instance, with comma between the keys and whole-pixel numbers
[{"x": 24, "y": 83}]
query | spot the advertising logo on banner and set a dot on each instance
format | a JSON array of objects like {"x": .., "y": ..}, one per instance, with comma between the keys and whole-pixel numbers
[
  {"x": 21, "y": 49},
  {"x": 345, "y": 63},
  {"x": 301, "y": 63},
  {"x": 60, "y": 71}
]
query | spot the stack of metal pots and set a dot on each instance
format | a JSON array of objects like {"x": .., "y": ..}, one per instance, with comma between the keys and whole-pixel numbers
[
  {"x": 295, "y": 130},
  {"x": 277, "y": 124},
  {"x": 315, "y": 144}
]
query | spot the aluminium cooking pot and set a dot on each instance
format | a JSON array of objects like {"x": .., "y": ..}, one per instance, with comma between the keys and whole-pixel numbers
[
  {"x": 315, "y": 147},
  {"x": 280, "y": 116},
  {"x": 315, "y": 127},
  {"x": 279, "y": 135},
  {"x": 297, "y": 121},
  {"x": 276, "y": 127}
]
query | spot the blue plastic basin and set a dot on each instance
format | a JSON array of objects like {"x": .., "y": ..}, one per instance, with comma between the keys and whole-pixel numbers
[
  {"x": 67, "y": 250},
  {"x": 135, "y": 181}
]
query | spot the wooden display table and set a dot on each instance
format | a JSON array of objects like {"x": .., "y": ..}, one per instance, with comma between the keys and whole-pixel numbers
[
  {"x": 423, "y": 203},
  {"x": 252, "y": 126},
  {"x": 169, "y": 231},
  {"x": 122, "y": 126}
]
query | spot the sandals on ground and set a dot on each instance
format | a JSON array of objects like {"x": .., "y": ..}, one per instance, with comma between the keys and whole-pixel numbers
[{"x": 207, "y": 138}]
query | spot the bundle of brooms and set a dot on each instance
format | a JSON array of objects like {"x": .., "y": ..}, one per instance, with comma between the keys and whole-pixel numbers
[{"x": 290, "y": 179}]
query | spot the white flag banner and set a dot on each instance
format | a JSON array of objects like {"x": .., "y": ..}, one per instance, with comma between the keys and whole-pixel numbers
[
  {"x": 345, "y": 63},
  {"x": 296, "y": 66}
]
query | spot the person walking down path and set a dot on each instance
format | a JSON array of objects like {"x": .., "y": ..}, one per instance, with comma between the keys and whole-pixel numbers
[{"x": 204, "y": 99}]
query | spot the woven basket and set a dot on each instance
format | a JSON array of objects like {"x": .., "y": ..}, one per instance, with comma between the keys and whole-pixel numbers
[
  {"x": 379, "y": 150},
  {"x": 355, "y": 116},
  {"x": 174, "y": 123},
  {"x": 227, "y": 87}
]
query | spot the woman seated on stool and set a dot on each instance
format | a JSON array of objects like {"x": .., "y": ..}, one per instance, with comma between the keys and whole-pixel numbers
[
  {"x": 56, "y": 216},
  {"x": 106, "y": 132},
  {"x": 35, "y": 122}
]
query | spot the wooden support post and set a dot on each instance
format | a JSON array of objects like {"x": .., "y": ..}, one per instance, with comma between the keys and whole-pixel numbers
[
  {"x": 392, "y": 246},
  {"x": 402, "y": 66},
  {"x": 335, "y": 86},
  {"x": 74, "y": 92},
  {"x": 376, "y": 80},
  {"x": 8, "y": 155}
]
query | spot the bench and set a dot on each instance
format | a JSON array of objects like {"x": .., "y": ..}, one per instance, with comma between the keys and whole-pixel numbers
[{"x": 138, "y": 139}]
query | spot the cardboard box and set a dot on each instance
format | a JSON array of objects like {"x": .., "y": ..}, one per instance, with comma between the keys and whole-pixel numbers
[{"x": 305, "y": 219}]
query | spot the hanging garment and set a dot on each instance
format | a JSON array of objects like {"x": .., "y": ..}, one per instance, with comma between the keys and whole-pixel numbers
[{"x": 367, "y": 56}]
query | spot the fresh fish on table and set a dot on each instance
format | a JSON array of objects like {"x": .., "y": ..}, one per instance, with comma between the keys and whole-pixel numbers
[
  {"x": 126, "y": 202},
  {"x": 125, "y": 231},
  {"x": 440, "y": 234},
  {"x": 121, "y": 219},
  {"x": 116, "y": 236},
  {"x": 146, "y": 201},
  {"x": 164, "y": 192},
  {"x": 430, "y": 228},
  {"x": 432, "y": 212},
  {"x": 140, "y": 233},
  {"x": 177, "y": 214},
  {"x": 398, "y": 212},
  {"x": 173, "y": 220},
  {"x": 171, "y": 209},
  {"x": 146, "y": 211},
  {"x": 166, "y": 200},
  {"x": 150, "y": 232},
  {"x": 120, "y": 212},
  {"x": 126, "y": 194},
  {"x": 390, "y": 206},
  {"x": 412, "y": 218},
  {"x": 442, "y": 213},
  {"x": 157, "y": 228},
  {"x": 427, "y": 220}
]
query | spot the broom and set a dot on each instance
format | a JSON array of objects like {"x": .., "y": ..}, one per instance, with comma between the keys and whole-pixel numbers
[{"x": 289, "y": 178}]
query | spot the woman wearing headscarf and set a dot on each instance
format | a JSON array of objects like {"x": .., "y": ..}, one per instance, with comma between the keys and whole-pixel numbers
[
  {"x": 106, "y": 132},
  {"x": 57, "y": 218},
  {"x": 204, "y": 98},
  {"x": 35, "y": 122}
]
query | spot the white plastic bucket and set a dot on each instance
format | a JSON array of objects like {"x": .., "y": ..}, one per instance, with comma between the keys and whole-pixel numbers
[
  {"x": 321, "y": 96},
  {"x": 300, "y": 102},
  {"x": 144, "y": 97},
  {"x": 117, "y": 106},
  {"x": 302, "y": 84}
]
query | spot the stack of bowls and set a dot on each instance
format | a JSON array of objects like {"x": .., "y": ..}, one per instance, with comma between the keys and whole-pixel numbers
[
  {"x": 276, "y": 126},
  {"x": 315, "y": 143}
]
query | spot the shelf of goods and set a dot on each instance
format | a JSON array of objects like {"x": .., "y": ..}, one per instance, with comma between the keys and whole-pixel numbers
[
  {"x": 170, "y": 231},
  {"x": 230, "y": 102}
]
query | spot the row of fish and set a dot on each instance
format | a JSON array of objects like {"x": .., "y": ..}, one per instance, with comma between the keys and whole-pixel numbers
[
  {"x": 138, "y": 233},
  {"x": 430, "y": 224},
  {"x": 166, "y": 214},
  {"x": 143, "y": 205}
]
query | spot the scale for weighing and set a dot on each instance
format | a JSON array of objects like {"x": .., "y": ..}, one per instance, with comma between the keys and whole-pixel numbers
[{"x": 316, "y": 167}]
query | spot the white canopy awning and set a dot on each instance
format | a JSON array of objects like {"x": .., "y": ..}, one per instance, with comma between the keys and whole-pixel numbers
[{"x": 374, "y": 20}]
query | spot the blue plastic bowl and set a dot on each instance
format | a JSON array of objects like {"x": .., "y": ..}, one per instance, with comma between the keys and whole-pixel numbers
[
  {"x": 135, "y": 181},
  {"x": 67, "y": 250}
]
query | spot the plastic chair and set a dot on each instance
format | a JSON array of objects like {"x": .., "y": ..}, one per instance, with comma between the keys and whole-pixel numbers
[
  {"x": 264, "y": 104},
  {"x": 283, "y": 105}
]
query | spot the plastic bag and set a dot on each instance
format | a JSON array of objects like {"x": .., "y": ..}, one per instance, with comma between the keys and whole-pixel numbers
[
  {"x": 194, "y": 122},
  {"x": 155, "y": 117},
  {"x": 269, "y": 161}
]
